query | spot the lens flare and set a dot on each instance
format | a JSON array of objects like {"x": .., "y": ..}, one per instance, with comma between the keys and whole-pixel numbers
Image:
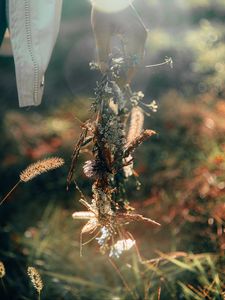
[{"x": 110, "y": 6}]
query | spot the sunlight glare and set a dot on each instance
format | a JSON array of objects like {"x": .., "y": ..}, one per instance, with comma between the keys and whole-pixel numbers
[{"x": 110, "y": 6}]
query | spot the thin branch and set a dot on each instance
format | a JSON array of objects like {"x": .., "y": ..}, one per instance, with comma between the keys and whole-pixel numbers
[{"x": 168, "y": 61}]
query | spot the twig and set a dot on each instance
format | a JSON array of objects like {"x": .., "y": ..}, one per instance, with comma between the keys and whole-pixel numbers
[
  {"x": 75, "y": 155},
  {"x": 168, "y": 61}
]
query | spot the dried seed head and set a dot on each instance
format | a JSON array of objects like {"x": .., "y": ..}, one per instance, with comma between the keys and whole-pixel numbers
[
  {"x": 83, "y": 215},
  {"x": 40, "y": 167},
  {"x": 35, "y": 278},
  {"x": 136, "y": 124},
  {"x": 2, "y": 269}
]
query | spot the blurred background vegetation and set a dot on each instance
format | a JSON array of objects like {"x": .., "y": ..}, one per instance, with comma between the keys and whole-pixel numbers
[{"x": 182, "y": 169}]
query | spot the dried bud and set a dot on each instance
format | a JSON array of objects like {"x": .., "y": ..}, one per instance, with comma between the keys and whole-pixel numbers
[{"x": 90, "y": 168}]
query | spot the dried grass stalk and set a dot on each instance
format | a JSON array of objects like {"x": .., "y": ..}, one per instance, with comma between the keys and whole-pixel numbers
[
  {"x": 35, "y": 278},
  {"x": 40, "y": 167},
  {"x": 128, "y": 217},
  {"x": 75, "y": 155}
]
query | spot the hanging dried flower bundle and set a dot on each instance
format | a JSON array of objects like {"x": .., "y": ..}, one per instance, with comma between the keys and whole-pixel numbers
[{"x": 114, "y": 133}]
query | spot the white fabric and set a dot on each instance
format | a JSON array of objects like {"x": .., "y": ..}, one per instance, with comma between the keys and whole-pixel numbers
[{"x": 34, "y": 26}]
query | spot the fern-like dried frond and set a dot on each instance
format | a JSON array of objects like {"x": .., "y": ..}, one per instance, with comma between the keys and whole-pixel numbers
[{"x": 138, "y": 140}]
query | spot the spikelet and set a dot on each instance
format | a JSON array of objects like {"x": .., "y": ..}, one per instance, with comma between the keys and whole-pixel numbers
[
  {"x": 35, "y": 278},
  {"x": 40, "y": 167},
  {"x": 2, "y": 269},
  {"x": 136, "y": 124}
]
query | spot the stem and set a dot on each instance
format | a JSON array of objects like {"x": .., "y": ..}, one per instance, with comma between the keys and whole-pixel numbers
[
  {"x": 39, "y": 296},
  {"x": 4, "y": 288},
  {"x": 159, "y": 293},
  {"x": 138, "y": 16},
  {"x": 90, "y": 240},
  {"x": 81, "y": 244},
  {"x": 10, "y": 192},
  {"x": 122, "y": 278}
]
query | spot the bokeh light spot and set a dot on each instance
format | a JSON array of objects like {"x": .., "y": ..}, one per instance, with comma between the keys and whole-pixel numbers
[{"x": 110, "y": 6}]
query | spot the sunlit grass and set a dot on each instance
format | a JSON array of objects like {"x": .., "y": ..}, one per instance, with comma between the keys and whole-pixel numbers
[{"x": 54, "y": 249}]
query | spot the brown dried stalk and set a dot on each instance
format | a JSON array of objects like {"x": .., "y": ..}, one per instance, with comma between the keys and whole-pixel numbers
[
  {"x": 75, "y": 154},
  {"x": 138, "y": 141},
  {"x": 130, "y": 217}
]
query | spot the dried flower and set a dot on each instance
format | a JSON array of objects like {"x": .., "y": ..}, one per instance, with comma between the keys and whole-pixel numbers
[
  {"x": 2, "y": 269},
  {"x": 121, "y": 246},
  {"x": 40, "y": 167},
  {"x": 152, "y": 106},
  {"x": 35, "y": 278},
  {"x": 93, "y": 65},
  {"x": 136, "y": 97},
  {"x": 112, "y": 161},
  {"x": 105, "y": 236}
]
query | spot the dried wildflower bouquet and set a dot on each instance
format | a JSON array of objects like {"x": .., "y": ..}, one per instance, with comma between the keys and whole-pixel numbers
[{"x": 113, "y": 133}]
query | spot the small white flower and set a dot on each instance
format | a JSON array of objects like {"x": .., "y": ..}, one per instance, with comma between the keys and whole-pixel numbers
[
  {"x": 120, "y": 246},
  {"x": 140, "y": 94}
]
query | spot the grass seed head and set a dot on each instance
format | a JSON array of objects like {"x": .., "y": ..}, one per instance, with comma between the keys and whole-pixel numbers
[
  {"x": 35, "y": 278},
  {"x": 2, "y": 269},
  {"x": 136, "y": 124},
  {"x": 40, "y": 167}
]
